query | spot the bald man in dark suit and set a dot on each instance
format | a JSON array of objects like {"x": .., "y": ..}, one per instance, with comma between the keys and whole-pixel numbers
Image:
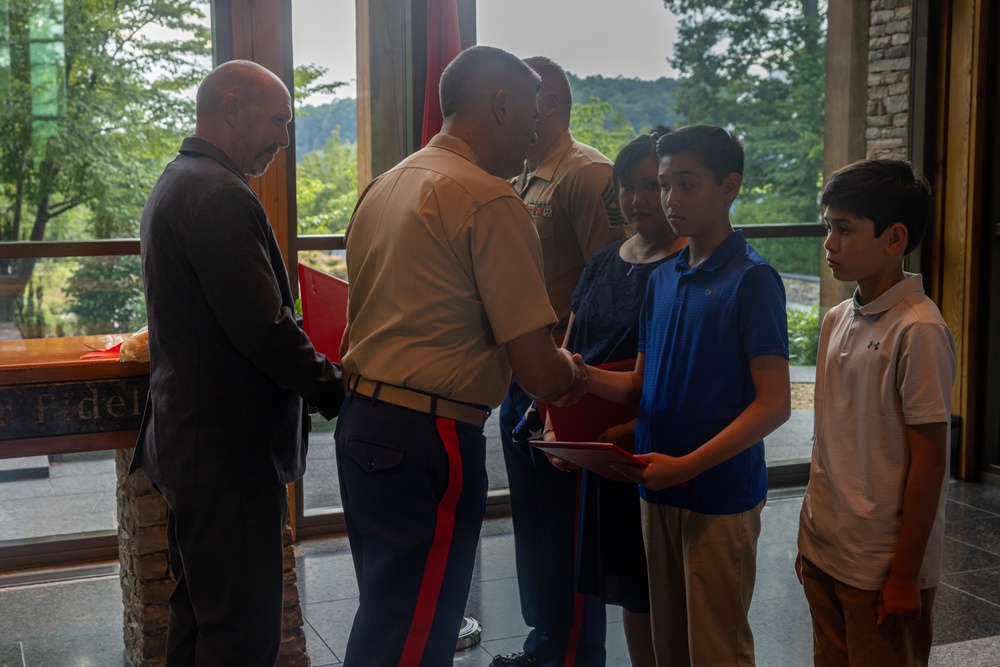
[{"x": 229, "y": 367}]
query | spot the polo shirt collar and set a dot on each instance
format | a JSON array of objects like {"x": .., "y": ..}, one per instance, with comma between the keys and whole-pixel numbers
[
  {"x": 547, "y": 169},
  {"x": 195, "y": 145},
  {"x": 910, "y": 284},
  {"x": 733, "y": 245},
  {"x": 454, "y": 145}
]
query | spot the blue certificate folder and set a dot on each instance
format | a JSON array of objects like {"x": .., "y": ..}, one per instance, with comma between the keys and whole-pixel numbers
[{"x": 594, "y": 456}]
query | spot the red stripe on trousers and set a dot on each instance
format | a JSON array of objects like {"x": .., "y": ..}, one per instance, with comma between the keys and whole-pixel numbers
[
  {"x": 573, "y": 641},
  {"x": 437, "y": 558}
]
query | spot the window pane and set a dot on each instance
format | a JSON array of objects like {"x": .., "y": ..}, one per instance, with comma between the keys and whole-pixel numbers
[
  {"x": 326, "y": 144},
  {"x": 320, "y": 485},
  {"x": 759, "y": 72},
  {"x": 797, "y": 261},
  {"x": 619, "y": 89},
  {"x": 326, "y": 178},
  {"x": 96, "y": 99},
  {"x": 58, "y": 494},
  {"x": 76, "y": 296}
]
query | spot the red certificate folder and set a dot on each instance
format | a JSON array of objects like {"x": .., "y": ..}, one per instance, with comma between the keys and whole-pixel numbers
[
  {"x": 324, "y": 310},
  {"x": 591, "y": 415},
  {"x": 594, "y": 456}
]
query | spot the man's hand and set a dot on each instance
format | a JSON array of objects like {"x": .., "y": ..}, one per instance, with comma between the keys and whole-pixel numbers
[
  {"x": 898, "y": 602},
  {"x": 579, "y": 387},
  {"x": 561, "y": 464}
]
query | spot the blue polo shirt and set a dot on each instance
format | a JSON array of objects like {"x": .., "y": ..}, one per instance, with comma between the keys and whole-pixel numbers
[{"x": 699, "y": 328}]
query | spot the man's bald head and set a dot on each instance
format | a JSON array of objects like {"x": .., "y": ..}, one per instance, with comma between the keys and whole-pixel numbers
[
  {"x": 244, "y": 109},
  {"x": 555, "y": 102},
  {"x": 488, "y": 101},
  {"x": 244, "y": 78},
  {"x": 474, "y": 76},
  {"x": 554, "y": 82}
]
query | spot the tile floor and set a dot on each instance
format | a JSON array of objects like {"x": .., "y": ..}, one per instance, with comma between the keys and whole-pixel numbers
[{"x": 75, "y": 621}]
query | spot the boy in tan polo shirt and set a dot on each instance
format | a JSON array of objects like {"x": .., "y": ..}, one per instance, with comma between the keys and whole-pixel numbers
[{"x": 872, "y": 524}]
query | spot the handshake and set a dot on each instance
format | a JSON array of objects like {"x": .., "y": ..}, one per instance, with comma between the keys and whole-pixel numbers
[{"x": 579, "y": 387}]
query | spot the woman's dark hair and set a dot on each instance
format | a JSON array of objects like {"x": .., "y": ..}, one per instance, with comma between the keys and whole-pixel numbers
[{"x": 641, "y": 147}]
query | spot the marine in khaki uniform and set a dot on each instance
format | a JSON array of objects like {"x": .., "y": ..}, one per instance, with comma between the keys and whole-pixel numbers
[{"x": 446, "y": 298}]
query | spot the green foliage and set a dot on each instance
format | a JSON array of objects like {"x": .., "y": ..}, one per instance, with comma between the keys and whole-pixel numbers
[
  {"x": 95, "y": 102},
  {"x": 313, "y": 133},
  {"x": 305, "y": 84},
  {"x": 758, "y": 67},
  {"x": 32, "y": 313},
  {"x": 314, "y": 125},
  {"x": 803, "y": 336},
  {"x": 791, "y": 255},
  {"x": 329, "y": 261},
  {"x": 600, "y": 125},
  {"x": 645, "y": 103},
  {"x": 111, "y": 131},
  {"x": 327, "y": 187},
  {"x": 105, "y": 295}
]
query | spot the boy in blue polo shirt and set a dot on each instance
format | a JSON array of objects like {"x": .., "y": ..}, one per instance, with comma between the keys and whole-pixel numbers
[{"x": 711, "y": 379}]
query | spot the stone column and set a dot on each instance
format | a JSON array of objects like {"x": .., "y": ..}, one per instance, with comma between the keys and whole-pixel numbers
[
  {"x": 889, "y": 78},
  {"x": 146, "y": 580}
]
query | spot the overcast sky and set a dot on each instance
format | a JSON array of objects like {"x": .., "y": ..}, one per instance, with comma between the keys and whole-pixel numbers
[{"x": 632, "y": 38}]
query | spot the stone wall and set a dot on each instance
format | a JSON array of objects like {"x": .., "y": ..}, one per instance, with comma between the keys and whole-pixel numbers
[
  {"x": 801, "y": 291},
  {"x": 145, "y": 573},
  {"x": 888, "y": 78},
  {"x": 146, "y": 580}
]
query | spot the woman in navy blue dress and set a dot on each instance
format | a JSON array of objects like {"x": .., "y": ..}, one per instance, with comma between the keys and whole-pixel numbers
[{"x": 604, "y": 327}]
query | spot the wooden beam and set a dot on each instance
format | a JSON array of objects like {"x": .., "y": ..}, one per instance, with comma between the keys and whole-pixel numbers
[
  {"x": 957, "y": 233},
  {"x": 392, "y": 57},
  {"x": 385, "y": 88},
  {"x": 845, "y": 115},
  {"x": 261, "y": 31}
]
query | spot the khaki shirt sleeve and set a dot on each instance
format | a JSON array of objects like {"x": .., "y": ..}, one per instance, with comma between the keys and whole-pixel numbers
[
  {"x": 507, "y": 261},
  {"x": 593, "y": 210}
]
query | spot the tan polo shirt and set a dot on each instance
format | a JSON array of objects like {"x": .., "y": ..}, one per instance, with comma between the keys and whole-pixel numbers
[
  {"x": 879, "y": 368},
  {"x": 574, "y": 203},
  {"x": 444, "y": 268}
]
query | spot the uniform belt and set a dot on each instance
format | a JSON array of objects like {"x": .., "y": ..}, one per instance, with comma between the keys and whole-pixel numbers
[{"x": 417, "y": 400}]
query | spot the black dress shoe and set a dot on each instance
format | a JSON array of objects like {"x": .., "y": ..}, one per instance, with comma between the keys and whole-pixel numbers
[{"x": 514, "y": 660}]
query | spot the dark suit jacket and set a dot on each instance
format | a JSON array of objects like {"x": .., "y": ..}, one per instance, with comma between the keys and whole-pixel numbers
[{"x": 229, "y": 363}]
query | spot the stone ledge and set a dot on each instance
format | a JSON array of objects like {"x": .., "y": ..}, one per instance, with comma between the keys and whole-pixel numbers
[{"x": 147, "y": 583}]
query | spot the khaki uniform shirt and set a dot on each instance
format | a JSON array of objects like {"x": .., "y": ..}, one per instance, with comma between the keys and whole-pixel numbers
[
  {"x": 573, "y": 200},
  {"x": 444, "y": 268}
]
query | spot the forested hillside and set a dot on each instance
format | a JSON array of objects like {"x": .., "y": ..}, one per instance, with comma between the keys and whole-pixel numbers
[
  {"x": 644, "y": 104},
  {"x": 315, "y": 125}
]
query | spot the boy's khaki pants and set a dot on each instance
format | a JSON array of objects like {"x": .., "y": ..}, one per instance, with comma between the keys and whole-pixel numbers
[
  {"x": 702, "y": 570},
  {"x": 845, "y": 629}
]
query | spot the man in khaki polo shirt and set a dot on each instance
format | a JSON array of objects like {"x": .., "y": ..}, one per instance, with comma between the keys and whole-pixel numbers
[
  {"x": 446, "y": 297},
  {"x": 569, "y": 190}
]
